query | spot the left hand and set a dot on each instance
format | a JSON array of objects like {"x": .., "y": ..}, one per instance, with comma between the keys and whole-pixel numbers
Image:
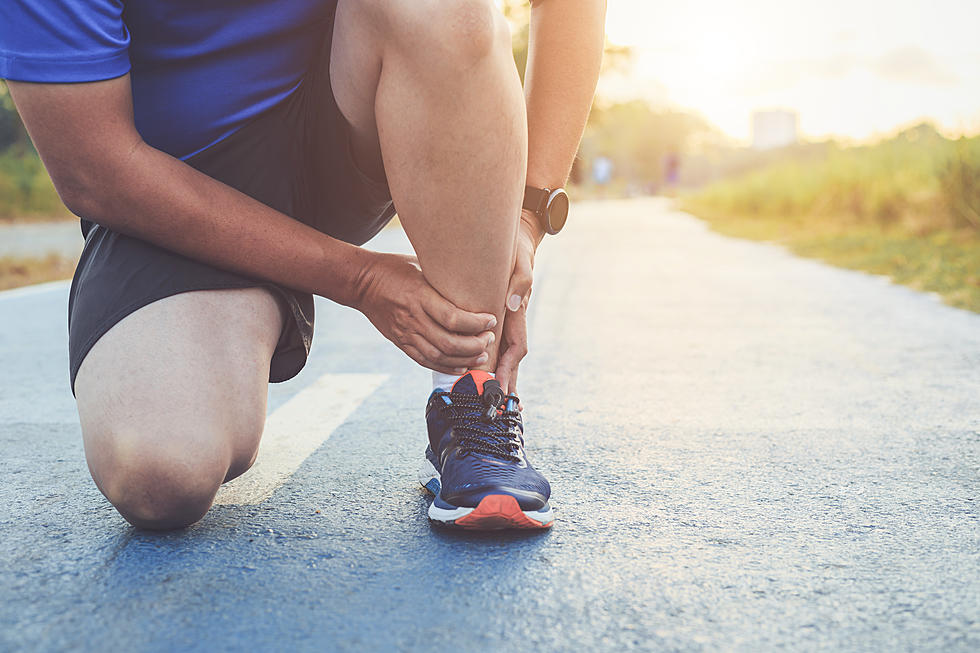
[{"x": 513, "y": 342}]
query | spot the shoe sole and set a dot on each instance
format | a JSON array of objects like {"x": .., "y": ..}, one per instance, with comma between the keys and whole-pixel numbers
[{"x": 494, "y": 512}]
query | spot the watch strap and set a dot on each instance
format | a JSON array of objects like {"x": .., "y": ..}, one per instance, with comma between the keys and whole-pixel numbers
[{"x": 536, "y": 199}]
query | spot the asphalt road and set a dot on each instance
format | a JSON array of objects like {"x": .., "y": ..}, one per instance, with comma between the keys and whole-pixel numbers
[
  {"x": 748, "y": 451},
  {"x": 33, "y": 239}
]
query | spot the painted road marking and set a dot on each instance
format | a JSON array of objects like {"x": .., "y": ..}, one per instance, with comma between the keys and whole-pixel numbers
[
  {"x": 297, "y": 429},
  {"x": 36, "y": 289}
]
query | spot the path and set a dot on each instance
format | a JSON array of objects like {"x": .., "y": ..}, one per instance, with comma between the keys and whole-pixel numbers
[{"x": 748, "y": 451}]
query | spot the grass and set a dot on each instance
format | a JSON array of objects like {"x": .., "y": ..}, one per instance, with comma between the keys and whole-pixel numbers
[
  {"x": 18, "y": 271},
  {"x": 908, "y": 208},
  {"x": 26, "y": 191}
]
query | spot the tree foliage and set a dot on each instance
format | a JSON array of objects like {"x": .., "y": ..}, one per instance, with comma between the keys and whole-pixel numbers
[
  {"x": 11, "y": 130},
  {"x": 639, "y": 139}
]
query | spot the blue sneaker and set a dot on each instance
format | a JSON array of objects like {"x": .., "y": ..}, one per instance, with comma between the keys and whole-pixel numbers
[{"x": 475, "y": 463}]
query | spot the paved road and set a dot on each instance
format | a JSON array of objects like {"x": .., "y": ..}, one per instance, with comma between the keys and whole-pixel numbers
[
  {"x": 32, "y": 239},
  {"x": 749, "y": 451}
]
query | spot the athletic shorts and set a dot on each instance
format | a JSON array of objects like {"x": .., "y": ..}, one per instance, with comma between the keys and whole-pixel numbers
[{"x": 294, "y": 158}]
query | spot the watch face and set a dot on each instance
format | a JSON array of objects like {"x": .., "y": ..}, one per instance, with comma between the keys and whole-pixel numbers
[{"x": 557, "y": 210}]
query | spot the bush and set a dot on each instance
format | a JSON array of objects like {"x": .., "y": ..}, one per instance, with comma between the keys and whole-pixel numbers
[
  {"x": 26, "y": 190},
  {"x": 918, "y": 180},
  {"x": 960, "y": 182}
]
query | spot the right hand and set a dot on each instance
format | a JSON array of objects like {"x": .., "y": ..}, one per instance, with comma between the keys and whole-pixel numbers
[{"x": 433, "y": 331}]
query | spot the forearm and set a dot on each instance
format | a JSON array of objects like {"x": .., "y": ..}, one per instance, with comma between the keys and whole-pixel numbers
[
  {"x": 162, "y": 200},
  {"x": 564, "y": 55}
]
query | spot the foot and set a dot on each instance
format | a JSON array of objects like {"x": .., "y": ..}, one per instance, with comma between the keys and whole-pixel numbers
[{"x": 475, "y": 463}]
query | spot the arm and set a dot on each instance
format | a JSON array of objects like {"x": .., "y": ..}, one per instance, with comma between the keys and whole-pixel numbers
[
  {"x": 105, "y": 172},
  {"x": 564, "y": 55}
]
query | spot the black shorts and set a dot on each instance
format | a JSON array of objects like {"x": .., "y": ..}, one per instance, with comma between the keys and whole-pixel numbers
[{"x": 295, "y": 158}]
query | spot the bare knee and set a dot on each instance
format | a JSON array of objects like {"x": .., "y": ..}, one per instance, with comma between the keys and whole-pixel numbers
[
  {"x": 447, "y": 33},
  {"x": 470, "y": 29},
  {"x": 163, "y": 485},
  {"x": 163, "y": 472}
]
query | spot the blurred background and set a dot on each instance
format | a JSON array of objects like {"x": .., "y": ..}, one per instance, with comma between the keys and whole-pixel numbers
[{"x": 844, "y": 130}]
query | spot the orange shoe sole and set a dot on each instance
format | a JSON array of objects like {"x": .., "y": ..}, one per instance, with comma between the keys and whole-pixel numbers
[{"x": 498, "y": 512}]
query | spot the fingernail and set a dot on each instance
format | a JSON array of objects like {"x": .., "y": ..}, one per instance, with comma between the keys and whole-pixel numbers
[
  {"x": 514, "y": 302},
  {"x": 492, "y": 338},
  {"x": 492, "y": 323},
  {"x": 482, "y": 358}
]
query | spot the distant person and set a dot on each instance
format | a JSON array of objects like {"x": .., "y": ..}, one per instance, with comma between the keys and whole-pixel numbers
[
  {"x": 672, "y": 167},
  {"x": 228, "y": 160},
  {"x": 602, "y": 170}
]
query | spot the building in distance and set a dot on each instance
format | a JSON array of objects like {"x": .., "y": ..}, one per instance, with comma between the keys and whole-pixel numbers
[{"x": 774, "y": 128}]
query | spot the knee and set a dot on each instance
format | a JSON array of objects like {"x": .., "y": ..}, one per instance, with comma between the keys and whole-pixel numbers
[
  {"x": 453, "y": 33},
  {"x": 471, "y": 29},
  {"x": 162, "y": 487}
]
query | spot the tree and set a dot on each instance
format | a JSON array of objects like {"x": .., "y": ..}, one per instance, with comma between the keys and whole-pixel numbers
[
  {"x": 12, "y": 131},
  {"x": 639, "y": 139},
  {"x": 518, "y": 14}
]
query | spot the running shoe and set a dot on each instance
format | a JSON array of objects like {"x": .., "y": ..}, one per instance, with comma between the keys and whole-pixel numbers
[{"x": 475, "y": 463}]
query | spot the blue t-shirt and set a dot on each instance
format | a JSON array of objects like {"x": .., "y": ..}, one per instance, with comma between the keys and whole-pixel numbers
[{"x": 200, "y": 69}]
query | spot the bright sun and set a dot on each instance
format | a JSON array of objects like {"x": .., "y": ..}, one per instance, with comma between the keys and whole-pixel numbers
[{"x": 877, "y": 70}]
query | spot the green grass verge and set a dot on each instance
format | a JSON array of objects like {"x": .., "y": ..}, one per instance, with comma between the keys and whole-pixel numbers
[
  {"x": 907, "y": 207},
  {"x": 945, "y": 261},
  {"x": 26, "y": 191}
]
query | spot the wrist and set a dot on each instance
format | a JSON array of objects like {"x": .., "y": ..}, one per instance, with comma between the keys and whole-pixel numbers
[
  {"x": 531, "y": 225},
  {"x": 357, "y": 283}
]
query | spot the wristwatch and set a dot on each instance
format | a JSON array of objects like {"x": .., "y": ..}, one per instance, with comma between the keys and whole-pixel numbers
[{"x": 550, "y": 207}]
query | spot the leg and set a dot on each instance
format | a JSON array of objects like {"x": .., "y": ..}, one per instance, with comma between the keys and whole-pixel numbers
[
  {"x": 430, "y": 88},
  {"x": 172, "y": 401}
]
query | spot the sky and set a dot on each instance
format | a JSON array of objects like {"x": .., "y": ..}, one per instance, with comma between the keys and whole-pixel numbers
[{"x": 851, "y": 69}]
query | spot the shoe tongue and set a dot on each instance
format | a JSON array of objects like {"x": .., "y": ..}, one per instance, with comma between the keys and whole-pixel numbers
[{"x": 472, "y": 382}]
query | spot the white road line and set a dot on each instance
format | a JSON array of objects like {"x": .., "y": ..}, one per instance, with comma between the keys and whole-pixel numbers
[
  {"x": 35, "y": 289},
  {"x": 297, "y": 429}
]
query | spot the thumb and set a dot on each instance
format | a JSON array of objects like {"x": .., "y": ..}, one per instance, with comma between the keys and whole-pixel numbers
[{"x": 520, "y": 288}]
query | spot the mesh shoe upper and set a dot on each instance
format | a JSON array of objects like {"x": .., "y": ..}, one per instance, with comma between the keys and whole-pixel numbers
[{"x": 477, "y": 438}]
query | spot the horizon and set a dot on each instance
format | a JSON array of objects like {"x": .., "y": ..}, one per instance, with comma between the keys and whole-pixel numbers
[{"x": 848, "y": 73}]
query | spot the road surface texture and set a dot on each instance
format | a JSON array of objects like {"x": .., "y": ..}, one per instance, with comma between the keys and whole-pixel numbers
[
  {"x": 32, "y": 239},
  {"x": 748, "y": 451}
]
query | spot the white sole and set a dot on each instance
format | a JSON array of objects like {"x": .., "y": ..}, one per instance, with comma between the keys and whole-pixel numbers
[
  {"x": 429, "y": 479},
  {"x": 450, "y": 516}
]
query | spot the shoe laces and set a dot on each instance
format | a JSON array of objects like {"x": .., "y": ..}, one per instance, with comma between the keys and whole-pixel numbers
[{"x": 486, "y": 424}]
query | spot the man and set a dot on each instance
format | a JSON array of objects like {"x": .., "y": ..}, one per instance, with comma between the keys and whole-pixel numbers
[{"x": 228, "y": 158}]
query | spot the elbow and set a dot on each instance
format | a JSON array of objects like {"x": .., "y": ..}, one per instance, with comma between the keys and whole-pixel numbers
[
  {"x": 89, "y": 186},
  {"x": 79, "y": 197}
]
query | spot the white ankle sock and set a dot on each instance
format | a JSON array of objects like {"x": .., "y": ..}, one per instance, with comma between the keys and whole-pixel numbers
[{"x": 444, "y": 382}]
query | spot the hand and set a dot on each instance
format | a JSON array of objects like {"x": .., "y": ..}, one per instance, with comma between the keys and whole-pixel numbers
[
  {"x": 434, "y": 332},
  {"x": 513, "y": 344}
]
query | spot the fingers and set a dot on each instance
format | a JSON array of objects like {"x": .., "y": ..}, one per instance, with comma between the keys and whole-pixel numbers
[
  {"x": 519, "y": 289},
  {"x": 432, "y": 331},
  {"x": 454, "y": 319},
  {"x": 506, "y": 375},
  {"x": 453, "y": 344},
  {"x": 441, "y": 350},
  {"x": 514, "y": 348},
  {"x": 434, "y": 357},
  {"x": 427, "y": 363},
  {"x": 507, "y": 366},
  {"x": 443, "y": 337}
]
